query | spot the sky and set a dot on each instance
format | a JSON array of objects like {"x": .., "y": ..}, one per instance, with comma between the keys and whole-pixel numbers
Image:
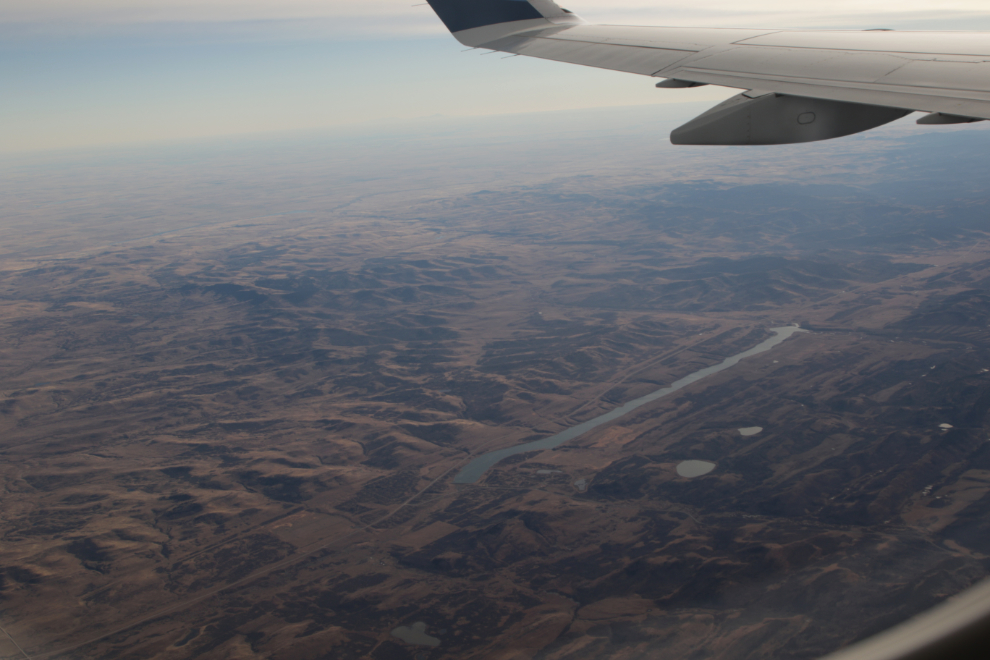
[{"x": 98, "y": 73}]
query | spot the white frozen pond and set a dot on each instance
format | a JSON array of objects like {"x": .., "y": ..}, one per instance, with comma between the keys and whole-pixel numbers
[
  {"x": 691, "y": 469},
  {"x": 750, "y": 430},
  {"x": 415, "y": 634}
]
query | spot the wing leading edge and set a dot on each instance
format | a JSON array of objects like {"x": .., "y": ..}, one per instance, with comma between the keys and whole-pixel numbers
[{"x": 800, "y": 86}]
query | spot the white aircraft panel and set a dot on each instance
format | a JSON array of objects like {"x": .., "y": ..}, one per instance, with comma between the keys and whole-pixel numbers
[
  {"x": 551, "y": 49},
  {"x": 948, "y": 43},
  {"x": 671, "y": 38},
  {"x": 633, "y": 59},
  {"x": 965, "y": 103},
  {"x": 806, "y": 63},
  {"x": 942, "y": 75}
]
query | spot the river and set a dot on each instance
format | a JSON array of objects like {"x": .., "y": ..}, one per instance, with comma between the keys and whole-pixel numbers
[{"x": 476, "y": 469}]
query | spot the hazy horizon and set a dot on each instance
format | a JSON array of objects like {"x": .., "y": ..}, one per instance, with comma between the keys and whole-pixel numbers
[{"x": 103, "y": 72}]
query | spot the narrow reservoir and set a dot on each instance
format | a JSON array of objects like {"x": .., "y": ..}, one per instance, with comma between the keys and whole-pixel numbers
[{"x": 476, "y": 469}]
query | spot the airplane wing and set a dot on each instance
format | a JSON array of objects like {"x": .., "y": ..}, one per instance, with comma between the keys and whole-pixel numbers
[{"x": 800, "y": 86}]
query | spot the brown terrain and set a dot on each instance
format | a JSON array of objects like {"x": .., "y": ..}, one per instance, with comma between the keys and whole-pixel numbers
[{"x": 229, "y": 423}]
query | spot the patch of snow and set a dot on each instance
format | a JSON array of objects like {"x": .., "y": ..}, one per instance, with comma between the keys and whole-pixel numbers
[{"x": 415, "y": 634}]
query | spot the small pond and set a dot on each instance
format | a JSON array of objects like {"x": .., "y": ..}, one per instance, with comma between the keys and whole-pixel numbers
[{"x": 691, "y": 469}]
